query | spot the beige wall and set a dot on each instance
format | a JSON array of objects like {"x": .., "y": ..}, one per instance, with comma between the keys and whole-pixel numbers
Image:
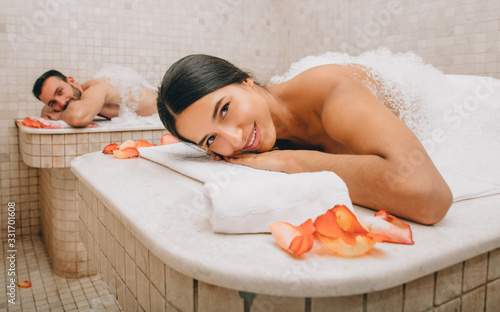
[
  {"x": 259, "y": 35},
  {"x": 457, "y": 36}
]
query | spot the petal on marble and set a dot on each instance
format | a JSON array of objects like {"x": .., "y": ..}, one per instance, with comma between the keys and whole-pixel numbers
[
  {"x": 108, "y": 149},
  {"x": 301, "y": 244},
  {"x": 341, "y": 233},
  {"x": 362, "y": 245},
  {"x": 339, "y": 222},
  {"x": 284, "y": 233},
  {"x": 388, "y": 225},
  {"x": 35, "y": 123},
  {"x": 29, "y": 122},
  {"x": 128, "y": 143},
  {"x": 128, "y": 152},
  {"x": 169, "y": 139},
  {"x": 143, "y": 143},
  {"x": 25, "y": 284},
  {"x": 295, "y": 239}
]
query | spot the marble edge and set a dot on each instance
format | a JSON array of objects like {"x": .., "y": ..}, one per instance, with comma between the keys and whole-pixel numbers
[
  {"x": 234, "y": 278},
  {"x": 72, "y": 130}
]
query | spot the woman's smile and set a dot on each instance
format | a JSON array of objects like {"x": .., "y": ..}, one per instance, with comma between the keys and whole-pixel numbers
[{"x": 253, "y": 140}]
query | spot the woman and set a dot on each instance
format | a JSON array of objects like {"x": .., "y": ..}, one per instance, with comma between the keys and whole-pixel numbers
[{"x": 325, "y": 118}]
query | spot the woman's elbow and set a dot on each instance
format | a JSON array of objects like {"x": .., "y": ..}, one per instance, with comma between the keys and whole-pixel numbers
[{"x": 430, "y": 202}]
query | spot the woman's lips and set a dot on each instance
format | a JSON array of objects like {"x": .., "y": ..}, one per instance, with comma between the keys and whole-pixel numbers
[{"x": 253, "y": 140}]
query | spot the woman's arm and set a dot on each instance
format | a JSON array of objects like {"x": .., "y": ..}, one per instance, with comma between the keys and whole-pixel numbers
[{"x": 389, "y": 169}]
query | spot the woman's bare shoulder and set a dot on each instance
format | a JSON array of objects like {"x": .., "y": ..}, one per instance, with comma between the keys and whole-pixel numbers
[
  {"x": 330, "y": 73},
  {"x": 310, "y": 86},
  {"x": 319, "y": 81}
]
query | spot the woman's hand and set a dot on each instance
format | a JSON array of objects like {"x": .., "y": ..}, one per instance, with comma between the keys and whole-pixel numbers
[{"x": 275, "y": 160}]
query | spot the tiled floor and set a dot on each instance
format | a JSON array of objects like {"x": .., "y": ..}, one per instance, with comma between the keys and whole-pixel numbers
[{"x": 49, "y": 292}]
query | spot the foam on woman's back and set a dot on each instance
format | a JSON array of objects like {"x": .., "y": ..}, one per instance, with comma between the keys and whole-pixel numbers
[{"x": 405, "y": 82}]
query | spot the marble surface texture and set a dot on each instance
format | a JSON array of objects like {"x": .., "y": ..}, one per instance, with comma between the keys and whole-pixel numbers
[
  {"x": 100, "y": 126},
  {"x": 161, "y": 207}
]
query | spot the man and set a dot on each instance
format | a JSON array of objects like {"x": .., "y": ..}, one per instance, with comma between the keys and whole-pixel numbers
[{"x": 78, "y": 104}]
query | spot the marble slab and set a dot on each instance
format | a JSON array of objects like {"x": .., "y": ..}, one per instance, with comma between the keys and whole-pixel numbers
[
  {"x": 161, "y": 207},
  {"x": 99, "y": 126},
  {"x": 56, "y": 148}
]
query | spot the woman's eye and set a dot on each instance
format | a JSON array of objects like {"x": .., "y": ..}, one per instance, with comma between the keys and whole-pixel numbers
[
  {"x": 224, "y": 110},
  {"x": 210, "y": 140},
  {"x": 59, "y": 92}
]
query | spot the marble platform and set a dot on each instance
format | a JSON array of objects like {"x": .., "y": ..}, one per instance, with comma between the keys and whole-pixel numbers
[
  {"x": 52, "y": 150},
  {"x": 145, "y": 230}
]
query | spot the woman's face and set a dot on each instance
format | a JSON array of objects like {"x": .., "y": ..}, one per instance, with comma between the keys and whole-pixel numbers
[{"x": 229, "y": 121}]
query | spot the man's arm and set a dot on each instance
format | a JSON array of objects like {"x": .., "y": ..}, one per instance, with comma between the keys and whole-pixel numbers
[{"x": 81, "y": 113}]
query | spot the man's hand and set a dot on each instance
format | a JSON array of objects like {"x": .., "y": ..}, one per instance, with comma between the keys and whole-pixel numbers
[{"x": 49, "y": 113}]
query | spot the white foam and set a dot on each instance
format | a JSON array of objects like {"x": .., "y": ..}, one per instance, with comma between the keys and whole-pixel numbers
[
  {"x": 128, "y": 83},
  {"x": 407, "y": 84},
  {"x": 132, "y": 119}
]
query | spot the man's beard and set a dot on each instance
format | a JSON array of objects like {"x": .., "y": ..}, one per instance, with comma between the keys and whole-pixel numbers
[{"x": 76, "y": 96}]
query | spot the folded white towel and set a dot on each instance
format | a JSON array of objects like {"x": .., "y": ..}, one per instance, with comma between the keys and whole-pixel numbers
[{"x": 241, "y": 199}]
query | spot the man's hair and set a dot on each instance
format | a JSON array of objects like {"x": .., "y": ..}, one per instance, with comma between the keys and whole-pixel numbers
[{"x": 37, "y": 87}]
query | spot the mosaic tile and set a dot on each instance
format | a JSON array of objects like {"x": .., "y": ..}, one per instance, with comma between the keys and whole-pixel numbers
[{"x": 48, "y": 291}]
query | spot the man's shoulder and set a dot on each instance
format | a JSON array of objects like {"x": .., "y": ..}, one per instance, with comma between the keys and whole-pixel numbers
[{"x": 96, "y": 84}]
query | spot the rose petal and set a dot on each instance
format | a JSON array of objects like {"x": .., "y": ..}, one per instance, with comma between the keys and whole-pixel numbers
[
  {"x": 284, "y": 233},
  {"x": 128, "y": 143},
  {"x": 25, "y": 284},
  {"x": 301, "y": 244},
  {"x": 34, "y": 123},
  {"x": 143, "y": 143},
  {"x": 294, "y": 239},
  {"x": 169, "y": 139},
  {"x": 339, "y": 222},
  {"x": 362, "y": 245},
  {"x": 393, "y": 228},
  {"x": 128, "y": 152},
  {"x": 108, "y": 149},
  {"x": 327, "y": 225}
]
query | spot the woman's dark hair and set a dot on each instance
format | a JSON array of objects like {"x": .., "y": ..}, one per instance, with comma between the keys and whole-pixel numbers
[
  {"x": 37, "y": 87},
  {"x": 188, "y": 80}
]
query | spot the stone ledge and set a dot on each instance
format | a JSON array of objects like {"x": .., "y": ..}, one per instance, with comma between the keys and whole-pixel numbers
[{"x": 157, "y": 204}]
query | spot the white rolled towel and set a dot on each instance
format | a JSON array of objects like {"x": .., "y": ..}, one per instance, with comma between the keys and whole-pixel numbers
[
  {"x": 251, "y": 205},
  {"x": 241, "y": 199}
]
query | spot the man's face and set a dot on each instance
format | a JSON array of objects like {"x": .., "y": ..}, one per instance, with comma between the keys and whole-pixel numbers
[{"x": 58, "y": 94}]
